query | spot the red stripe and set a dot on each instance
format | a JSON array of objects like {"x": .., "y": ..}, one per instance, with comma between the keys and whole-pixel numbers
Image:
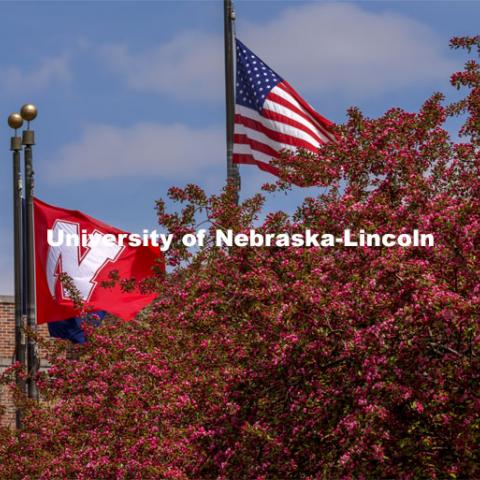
[
  {"x": 278, "y": 117},
  {"x": 286, "y": 87},
  {"x": 274, "y": 134},
  {"x": 241, "y": 158},
  {"x": 308, "y": 113},
  {"x": 281, "y": 101},
  {"x": 259, "y": 146},
  {"x": 325, "y": 125}
]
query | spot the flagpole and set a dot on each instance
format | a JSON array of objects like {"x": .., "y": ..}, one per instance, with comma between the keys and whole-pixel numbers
[
  {"x": 29, "y": 113},
  {"x": 229, "y": 19},
  {"x": 15, "y": 121}
]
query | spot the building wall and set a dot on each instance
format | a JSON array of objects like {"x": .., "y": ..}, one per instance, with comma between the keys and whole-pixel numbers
[{"x": 7, "y": 353}]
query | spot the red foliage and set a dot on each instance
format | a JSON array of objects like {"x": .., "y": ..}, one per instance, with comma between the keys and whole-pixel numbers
[{"x": 295, "y": 362}]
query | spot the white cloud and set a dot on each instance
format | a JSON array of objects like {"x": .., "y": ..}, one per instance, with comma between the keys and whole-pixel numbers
[
  {"x": 190, "y": 65},
  {"x": 171, "y": 151},
  {"x": 50, "y": 70},
  {"x": 341, "y": 47},
  {"x": 317, "y": 47}
]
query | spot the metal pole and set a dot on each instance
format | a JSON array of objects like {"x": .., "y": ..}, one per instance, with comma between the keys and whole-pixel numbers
[
  {"x": 15, "y": 121},
  {"x": 29, "y": 112},
  {"x": 229, "y": 18}
]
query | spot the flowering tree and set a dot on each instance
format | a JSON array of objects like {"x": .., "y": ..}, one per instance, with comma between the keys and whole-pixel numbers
[{"x": 294, "y": 362}]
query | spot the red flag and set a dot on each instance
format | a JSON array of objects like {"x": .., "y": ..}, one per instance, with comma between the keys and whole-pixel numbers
[{"x": 87, "y": 265}]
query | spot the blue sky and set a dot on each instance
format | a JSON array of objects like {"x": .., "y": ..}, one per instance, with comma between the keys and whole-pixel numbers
[{"x": 131, "y": 99}]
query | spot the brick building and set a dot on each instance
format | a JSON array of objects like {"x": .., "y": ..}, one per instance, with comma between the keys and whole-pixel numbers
[{"x": 7, "y": 352}]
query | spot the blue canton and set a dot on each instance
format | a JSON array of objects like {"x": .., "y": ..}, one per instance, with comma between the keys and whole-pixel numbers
[{"x": 255, "y": 79}]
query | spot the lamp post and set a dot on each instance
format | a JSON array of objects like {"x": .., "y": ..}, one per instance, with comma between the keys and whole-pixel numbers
[
  {"x": 29, "y": 113},
  {"x": 15, "y": 121}
]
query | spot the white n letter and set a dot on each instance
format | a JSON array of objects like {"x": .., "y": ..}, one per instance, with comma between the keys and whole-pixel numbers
[{"x": 82, "y": 270}]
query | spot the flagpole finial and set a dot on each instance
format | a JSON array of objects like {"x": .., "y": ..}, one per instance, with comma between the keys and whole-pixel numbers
[
  {"x": 29, "y": 112},
  {"x": 15, "y": 121}
]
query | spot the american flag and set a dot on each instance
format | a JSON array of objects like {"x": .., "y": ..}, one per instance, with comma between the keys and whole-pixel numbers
[{"x": 270, "y": 116}]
